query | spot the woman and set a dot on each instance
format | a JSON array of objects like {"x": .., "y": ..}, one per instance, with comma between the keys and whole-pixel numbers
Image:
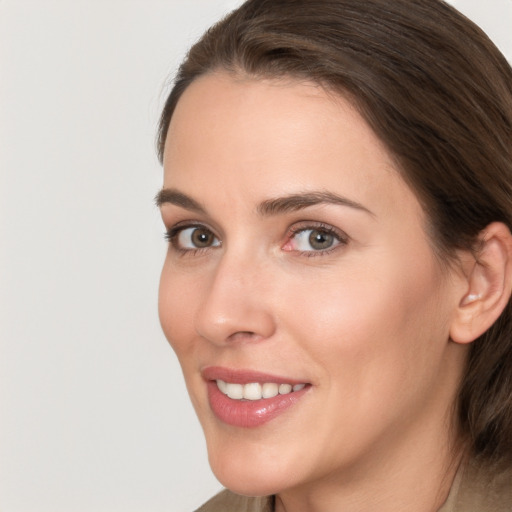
[{"x": 337, "y": 198}]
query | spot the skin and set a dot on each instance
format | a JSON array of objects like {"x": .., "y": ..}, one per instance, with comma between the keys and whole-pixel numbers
[{"x": 366, "y": 322}]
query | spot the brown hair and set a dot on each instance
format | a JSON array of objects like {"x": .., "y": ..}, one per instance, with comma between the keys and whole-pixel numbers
[{"x": 438, "y": 93}]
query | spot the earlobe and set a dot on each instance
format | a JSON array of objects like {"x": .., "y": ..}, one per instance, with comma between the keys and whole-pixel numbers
[{"x": 489, "y": 282}]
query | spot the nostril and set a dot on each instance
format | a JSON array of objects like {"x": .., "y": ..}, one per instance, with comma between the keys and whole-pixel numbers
[{"x": 241, "y": 336}]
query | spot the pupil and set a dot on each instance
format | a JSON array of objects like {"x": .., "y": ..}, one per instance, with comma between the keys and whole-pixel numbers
[
  {"x": 201, "y": 238},
  {"x": 320, "y": 240}
]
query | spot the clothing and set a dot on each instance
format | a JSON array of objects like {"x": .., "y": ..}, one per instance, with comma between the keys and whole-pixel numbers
[
  {"x": 473, "y": 490},
  {"x": 477, "y": 489},
  {"x": 227, "y": 501}
]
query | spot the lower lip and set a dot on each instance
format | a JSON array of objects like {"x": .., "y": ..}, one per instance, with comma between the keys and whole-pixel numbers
[{"x": 250, "y": 413}]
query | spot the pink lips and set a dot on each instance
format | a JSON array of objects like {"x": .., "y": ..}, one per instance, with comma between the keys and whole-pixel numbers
[{"x": 248, "y": 413}]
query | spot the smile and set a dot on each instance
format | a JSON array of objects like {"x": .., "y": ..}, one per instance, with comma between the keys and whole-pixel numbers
[
  {"x": 255, "y": 390},
  {"x": 249, "y": 399}
]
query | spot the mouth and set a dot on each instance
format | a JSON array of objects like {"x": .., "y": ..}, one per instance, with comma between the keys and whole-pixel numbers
[
  {"x": 250, "y": 399},
  {"x": 255, "y": 390}
]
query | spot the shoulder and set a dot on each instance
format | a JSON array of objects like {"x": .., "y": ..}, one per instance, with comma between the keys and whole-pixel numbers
[
  {"x": 480, "y": 488},
  {"x": 229, "y": 501}
]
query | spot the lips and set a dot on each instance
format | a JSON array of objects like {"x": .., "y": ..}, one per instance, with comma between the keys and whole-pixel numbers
[{"x": 249, "y": 399}]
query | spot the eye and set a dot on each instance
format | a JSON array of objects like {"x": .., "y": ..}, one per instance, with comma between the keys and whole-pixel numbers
[
  {"x": 314, "y": 239},
  {"x": 190, "y": 238}
]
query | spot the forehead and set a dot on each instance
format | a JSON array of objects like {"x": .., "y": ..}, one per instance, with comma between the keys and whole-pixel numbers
[{"x": 253, "y": 138}]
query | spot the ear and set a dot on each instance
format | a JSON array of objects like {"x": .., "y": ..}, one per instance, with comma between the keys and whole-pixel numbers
[{"x": 489, "y": 284}]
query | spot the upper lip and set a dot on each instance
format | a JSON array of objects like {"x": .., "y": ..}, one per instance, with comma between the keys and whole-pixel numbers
[{"x": 245, "y": 376}]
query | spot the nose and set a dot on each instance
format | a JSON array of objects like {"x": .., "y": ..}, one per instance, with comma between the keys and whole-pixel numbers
[{"x": 236, "y": 306}]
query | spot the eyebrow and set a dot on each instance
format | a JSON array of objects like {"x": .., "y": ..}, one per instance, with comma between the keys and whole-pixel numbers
[
  {"x": 296, "y": 202},
  {"x": 269, "y": 207},
  {"x": 172, "y": 196}
]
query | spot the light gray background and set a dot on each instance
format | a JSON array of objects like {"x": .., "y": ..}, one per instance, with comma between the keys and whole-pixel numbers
[{"x": 93, "y": 412}]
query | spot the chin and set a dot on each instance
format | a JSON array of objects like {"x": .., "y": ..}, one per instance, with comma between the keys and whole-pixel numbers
[
  {"x": 250, "y": 474},
  {"x": 248, "y": 483}
]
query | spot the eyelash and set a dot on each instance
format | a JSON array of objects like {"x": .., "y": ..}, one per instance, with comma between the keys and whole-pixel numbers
[
  {"x": 171, "y": 235},
  {"x": 341, "y": 238}
]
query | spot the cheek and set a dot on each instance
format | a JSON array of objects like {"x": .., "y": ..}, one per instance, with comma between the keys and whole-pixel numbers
[
  {"x": 176, "y": 297},
  {"x": 176, "y": 300},
  {"x": 371, "y": 323}
]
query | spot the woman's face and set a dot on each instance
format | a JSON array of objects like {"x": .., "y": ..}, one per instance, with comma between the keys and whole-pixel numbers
[{"x": 298, "y": 259}]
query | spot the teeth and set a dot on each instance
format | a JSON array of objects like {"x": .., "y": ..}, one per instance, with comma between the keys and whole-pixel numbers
[
  {"x": 235, "y": 391},
  {"x": 284, "y": 389},
  {"x": 255, "y": 390},
  {"x": 252, "y": 391},
  {"x": 222, "y": 386},
  {"x": 269, "y": 390}
]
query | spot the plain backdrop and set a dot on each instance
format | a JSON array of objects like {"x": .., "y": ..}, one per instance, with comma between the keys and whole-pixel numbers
[{"x": 94, "y": 415}]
